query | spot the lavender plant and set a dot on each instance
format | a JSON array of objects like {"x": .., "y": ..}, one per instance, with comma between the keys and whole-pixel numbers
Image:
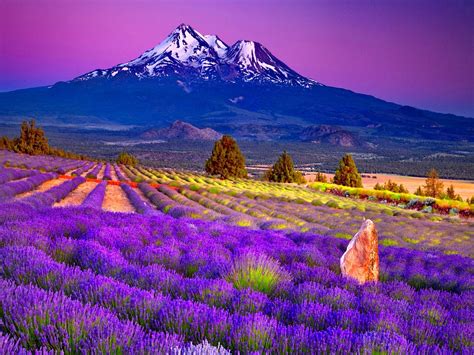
[
  {"x": 94, "y": 172},
  {"x": 107, "y": 172},
  {"x": 96, "y": 196}
]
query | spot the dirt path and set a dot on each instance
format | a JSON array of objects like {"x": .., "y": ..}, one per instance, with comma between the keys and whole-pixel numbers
[
  {"x": 113, "y": 175},
  {"x": 76, "y": 197},
  {"x": 41, "y": 188},
  {"x": 465, "y": 188},
  {"x": 100, "y": 174},
  {"x": 116, "y": 200}
]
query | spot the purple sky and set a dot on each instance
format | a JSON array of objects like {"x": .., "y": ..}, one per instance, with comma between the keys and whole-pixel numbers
[{"x": 413, "y": 52}]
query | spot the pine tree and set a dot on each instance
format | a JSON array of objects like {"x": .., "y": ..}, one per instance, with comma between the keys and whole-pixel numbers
[
  {"x": 433, "y": 186},
  {"x": 226, "y": 159},
  {"x": 284, "y": 171},
  {"x": 347, "y": 174}
]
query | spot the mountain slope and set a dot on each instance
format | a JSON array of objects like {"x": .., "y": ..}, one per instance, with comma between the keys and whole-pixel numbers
[
  {"x": 330, "y": 134},
  {"x": 201, "y": 80}
]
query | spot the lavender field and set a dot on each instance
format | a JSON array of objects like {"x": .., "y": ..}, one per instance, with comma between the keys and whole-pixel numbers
[{"x": 188, "y": 264}]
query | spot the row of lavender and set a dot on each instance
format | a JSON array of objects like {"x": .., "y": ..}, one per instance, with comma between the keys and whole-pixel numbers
[
  {"x": 171, "y": 279},
  {"x": 42, "y": 163},
  {"x": 260, "y": 212},
  {"x": 265, "y": 213},
  {"x": 14, "y": 182}
]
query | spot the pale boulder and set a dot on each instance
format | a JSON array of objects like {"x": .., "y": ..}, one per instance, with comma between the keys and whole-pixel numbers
[{"x": 361, "y": 259}]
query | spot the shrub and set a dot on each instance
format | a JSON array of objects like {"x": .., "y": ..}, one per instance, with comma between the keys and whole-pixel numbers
[
  {"x": 256, "y": 271},
  {"x": 453, "y": 211},
  {"x": 320, "y": 177},
  {"x": 125, "y": 158},
  {"x": 427, "y": 209},
  {"x": 412, "y": 203},
  {"x": 391, "y": 186}
]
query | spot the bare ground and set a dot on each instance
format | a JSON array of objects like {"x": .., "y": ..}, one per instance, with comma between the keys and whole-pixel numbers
[
  {"x": 100, "y": 174},
  {"x": 113, "y": 175},
  {"x": 41, "y": 188},
  {"x": 116, "y": 200},
  {"x": 77, "y": 196}
]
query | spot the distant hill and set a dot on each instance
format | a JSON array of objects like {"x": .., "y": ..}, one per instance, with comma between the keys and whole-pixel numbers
[
  {"x": 331, "y": 135},
  {"x": 182, "y": 130}
]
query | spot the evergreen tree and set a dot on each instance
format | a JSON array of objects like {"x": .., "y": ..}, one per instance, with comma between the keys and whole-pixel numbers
[
  {"x": 433, "y": 186},
  {"x": 226, "y": 159},
  {"x": 284, "y": 171},
  {"x": 127, "y": 159},
  {"x": 347, "y": 174}
]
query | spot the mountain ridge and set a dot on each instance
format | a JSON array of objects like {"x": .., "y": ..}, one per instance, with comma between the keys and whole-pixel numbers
[
  {"x": 186, "y": 52},
  {"x": 201, "y": 80}
]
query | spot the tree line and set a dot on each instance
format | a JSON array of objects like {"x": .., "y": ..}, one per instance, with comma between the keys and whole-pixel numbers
[
  {"x": 33, "y": 141},
  {"x": 227, "y": 161}
]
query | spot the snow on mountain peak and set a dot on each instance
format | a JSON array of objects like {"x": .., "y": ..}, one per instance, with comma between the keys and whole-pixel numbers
[
  {"x": 186, "y": 52},
  {"x": 217, "y": 44},
  {"x": 184, "y": 44}
]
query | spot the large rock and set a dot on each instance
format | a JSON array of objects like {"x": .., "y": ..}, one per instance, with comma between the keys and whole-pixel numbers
[{"x": 361, "y": 259}]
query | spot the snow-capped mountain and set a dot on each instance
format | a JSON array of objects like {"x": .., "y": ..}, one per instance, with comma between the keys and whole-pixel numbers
[{"x": 187, "y": 53}]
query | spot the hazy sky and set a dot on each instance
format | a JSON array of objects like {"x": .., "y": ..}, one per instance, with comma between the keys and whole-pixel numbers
[{"x": 413, "y": 52}]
